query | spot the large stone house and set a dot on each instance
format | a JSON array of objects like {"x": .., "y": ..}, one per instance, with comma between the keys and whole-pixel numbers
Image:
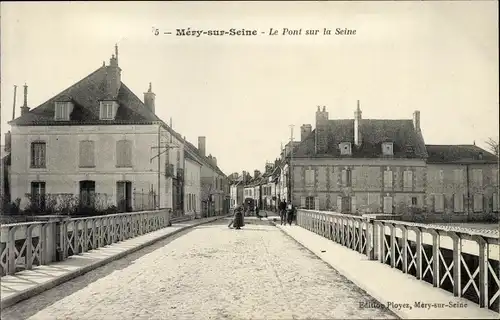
[
  {"x": 360, "y": 165},
  {"x": 192, "y": 185},
  {"x": 461, "y": 180},
  {"x": 236, "y": 190},
  {"x": 98, "y": 141}
]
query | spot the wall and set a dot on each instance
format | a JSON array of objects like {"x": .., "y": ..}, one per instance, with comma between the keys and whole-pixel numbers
[
  {"x": 62, "y": 173},
  {"x": 366, "y": 192},
  {"x": 450, "y": 181},
  {"x": 192, "y": 186}
]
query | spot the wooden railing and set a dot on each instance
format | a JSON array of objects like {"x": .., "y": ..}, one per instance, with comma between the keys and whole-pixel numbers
[
  {"x": 24, "y": 245},
  {"x": 462, "y": 261}
]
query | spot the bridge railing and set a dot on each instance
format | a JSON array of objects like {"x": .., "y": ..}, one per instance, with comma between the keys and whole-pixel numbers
[
  {"x": 24, "y": 245},
  {"x": 460, "y": 260}
]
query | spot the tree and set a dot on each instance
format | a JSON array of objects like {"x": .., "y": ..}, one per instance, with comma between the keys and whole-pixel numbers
[{"x": 493, "y": 145}]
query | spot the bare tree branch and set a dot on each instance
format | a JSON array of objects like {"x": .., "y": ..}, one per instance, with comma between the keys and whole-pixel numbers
[{"x": 493, "y": 145}]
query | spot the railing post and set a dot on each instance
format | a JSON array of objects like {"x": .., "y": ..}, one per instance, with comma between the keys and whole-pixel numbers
[
  {"x": 369, "y": 238},
  {"x": 29, "y": 247},
  {"x": 436, "y": 242},
  {"x": 11, "y": 251},
  {"x": 418, "y": 262},
  {"x": 404, "y": 238},
  {"x": 457, "y": 253},
  {"x": 43, "y": 243},
  {"x": 85, "y": 235},
  {"x": 382, "y": 242},
  {"x": 483, "y": 272},
  {"x": 360, "y": 235},
  {"x": 76, "y": 236}
]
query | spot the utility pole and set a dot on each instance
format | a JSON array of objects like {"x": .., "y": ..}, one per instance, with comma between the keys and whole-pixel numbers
[
  {"x": 161, "y": 150},
  {"x": 291, "y": 166}
]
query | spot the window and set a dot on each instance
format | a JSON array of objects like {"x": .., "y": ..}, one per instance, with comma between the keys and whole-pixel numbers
[
  {"x": 124, "y": 153},
  {"x": 441, "y": 177},
  {"x": 346, "y": 177},
  {"x": 387, "y": 179},
  {"x": 345, "y": 148},
  {"x": 87, "y": 193},
  {"x": 310, "y": 177},
  {"x": 107, "y": 110},
  {"x": 63, "y": 110},
  {"x": 87, "y": 154},
  {"x": 178, "y": 158},
  {"x": 387, "y": 148},
  {"x": 388, "y": 204},
  {"x": 38, "y": 195},
  {"x": 438, "y": 203},
  {"x": 458, "y": 176},
  {"x": 408, "y": 179},
  {"x": 478, "y": 202},
  {"x": 494, "y": 177},
  {"x": 38, "y": 154},
  {"x": 310, "y": 203},
  {"x": 495, "y": 202},
  {"x": 458, "y": 202},
  {"x": 413, "y": 201},
  {"x": 477, "y": 177}
]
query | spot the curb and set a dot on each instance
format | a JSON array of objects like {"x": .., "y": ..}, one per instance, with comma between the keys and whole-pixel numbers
[
  {"x": 76, "y": 273},
  {"x": 399, "y": 313}
]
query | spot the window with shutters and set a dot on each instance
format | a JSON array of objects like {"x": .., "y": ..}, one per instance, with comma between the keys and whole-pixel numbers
[
  {"x": 408, "y": 179},
  {"x": 347, "y": 178},
  {"x": 310, "y": 203},
  {"x": 414, "y": 201},
  {"x": 388, "y": 179},
  {"x": 458, "y": 176},
  {"x": 438, "y": 202},
  {"x": 494, "y": 177},
  {"x": 310, "y": 177},
  {"x": 107, "y": 110},
  {"x": 388, "y": 204},
  {"x": 458, "y": 202},
  {"x": 477, "y": 177},
  {"x": 87, "y": 154},
  {"x": 441, "y": 177},
  {"x": 38, "y": 154},
  {"x": 478, "y": 202},
  {"x": 124, "y": 153},
  {"x": 63, "y": 110}
]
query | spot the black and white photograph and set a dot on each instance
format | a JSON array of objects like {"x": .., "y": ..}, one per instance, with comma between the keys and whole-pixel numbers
[{"x": 249, "y": 160}]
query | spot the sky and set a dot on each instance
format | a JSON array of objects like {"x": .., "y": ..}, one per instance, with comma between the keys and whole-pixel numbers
[{"x": 243, "y": 93}]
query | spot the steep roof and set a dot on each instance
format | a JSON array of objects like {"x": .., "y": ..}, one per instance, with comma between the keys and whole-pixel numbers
[
  {"x": 407, "y": 142},
  {"x": 188, "y": 145},
  {"x": 86, "y": 95},
  {"x": 190, "y": 157},
  {"x": 459, "y": 154}
]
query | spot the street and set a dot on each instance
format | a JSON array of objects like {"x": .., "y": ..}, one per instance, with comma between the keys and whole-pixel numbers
[{"x": 208, "y": 272}]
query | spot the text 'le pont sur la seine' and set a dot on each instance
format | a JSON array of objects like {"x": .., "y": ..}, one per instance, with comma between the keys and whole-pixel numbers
[{"x": 189, "y": 32}]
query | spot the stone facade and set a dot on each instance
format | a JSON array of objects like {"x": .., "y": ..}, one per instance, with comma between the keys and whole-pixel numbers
[{"x": 192, "y": 187}]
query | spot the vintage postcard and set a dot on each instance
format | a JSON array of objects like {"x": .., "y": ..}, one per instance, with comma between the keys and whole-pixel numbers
[{"x": 249, "y": 160}]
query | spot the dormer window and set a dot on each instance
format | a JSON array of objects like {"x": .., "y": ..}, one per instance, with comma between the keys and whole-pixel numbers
[
  {"x": 387, "y": 149},
  {"x": 108, "y": 110},
  {"x": 63, "y": 110},
  {"x": 345, "y": 148}
]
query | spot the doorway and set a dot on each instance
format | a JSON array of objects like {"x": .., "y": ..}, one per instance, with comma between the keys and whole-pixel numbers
[{"x": 124, "y": 196}]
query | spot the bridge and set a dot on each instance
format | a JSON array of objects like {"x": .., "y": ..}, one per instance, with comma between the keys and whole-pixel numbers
[{"x": 329, "y": 266}]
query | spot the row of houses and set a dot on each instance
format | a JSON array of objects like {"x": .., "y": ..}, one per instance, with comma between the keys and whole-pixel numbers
[
  {"x": 97, "y": 141},
  {"x": 380, "y": 166}
]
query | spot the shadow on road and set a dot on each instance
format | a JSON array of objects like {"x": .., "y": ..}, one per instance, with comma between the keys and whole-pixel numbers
[{"x": 30, "y": 307}]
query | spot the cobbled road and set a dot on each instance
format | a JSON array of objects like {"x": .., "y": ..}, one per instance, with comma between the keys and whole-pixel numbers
[{"x": 208, "y": 272}]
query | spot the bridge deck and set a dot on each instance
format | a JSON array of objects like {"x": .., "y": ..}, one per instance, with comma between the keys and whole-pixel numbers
[{"x": 207, "y": 272}]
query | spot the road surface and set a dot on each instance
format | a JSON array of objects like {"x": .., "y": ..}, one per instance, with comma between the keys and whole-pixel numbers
[{"x": 209, "y": 272}]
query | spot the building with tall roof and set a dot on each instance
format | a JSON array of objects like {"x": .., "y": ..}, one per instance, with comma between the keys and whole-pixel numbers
[
  {"x": 359, "y": 165},
  {"x": 98, "y": 141}
]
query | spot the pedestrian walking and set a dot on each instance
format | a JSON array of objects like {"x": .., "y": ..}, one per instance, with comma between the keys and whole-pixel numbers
[{"x": 282, "y": 210}]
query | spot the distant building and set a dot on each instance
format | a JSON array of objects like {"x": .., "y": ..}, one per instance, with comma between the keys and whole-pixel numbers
[
  {"x": 192, "y": 185},
  {"x": 360, "y": 165},
  {"x": 461, "y": 180}
]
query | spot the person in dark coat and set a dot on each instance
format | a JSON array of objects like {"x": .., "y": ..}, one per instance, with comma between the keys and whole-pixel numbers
[
  {"x": 238, "y": 218},
  {"x": 282, "y": 209},
  {"x": 290, "y": 213}
]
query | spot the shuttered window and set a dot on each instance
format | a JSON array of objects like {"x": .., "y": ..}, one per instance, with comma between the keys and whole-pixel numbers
[
  {"x": 478, "y": 202},
  {"x": 458, "y": 202},
  {"x": 408, "y": 179},
  {"x": 387, "y": 204},
  {"x": 388, "y": 179},
  {"x": 303, "y": 202},
  {"x": 495, "y": 202},
  {"x": 477, "y": 177},
  {"x": 316, "y": 203},
  {"x": 124, "y": 153},
  {"x": 310, "y": 177},
  {"x": 438, "y": 203},
  {"x": 87, "y": 154},
  {"x": 458, "y": 175}
]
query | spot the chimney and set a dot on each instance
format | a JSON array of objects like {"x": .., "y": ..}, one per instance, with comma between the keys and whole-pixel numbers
[
  {"x": 149, "y": 99},
  {"x": 25, "y": 109},
  {"x": 256, "y": 173},
  {"x": 113, "y": 77},
  {"x": 416, "y": 120},
  {"x": 214, "y": 160},
  {"x": 357, "y": 126},
  {"x": 321, "y": 130},
  {"x": 305, "y": 130},
  {"x": 244, "y": 176},
  {"x": 202, "y": 142}
]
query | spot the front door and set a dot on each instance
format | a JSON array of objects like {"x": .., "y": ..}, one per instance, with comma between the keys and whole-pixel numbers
[
  {"x": 124, "y": 196},
  {"x": 87, "y": 193},
  {"x": 346, "y": 204}
]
